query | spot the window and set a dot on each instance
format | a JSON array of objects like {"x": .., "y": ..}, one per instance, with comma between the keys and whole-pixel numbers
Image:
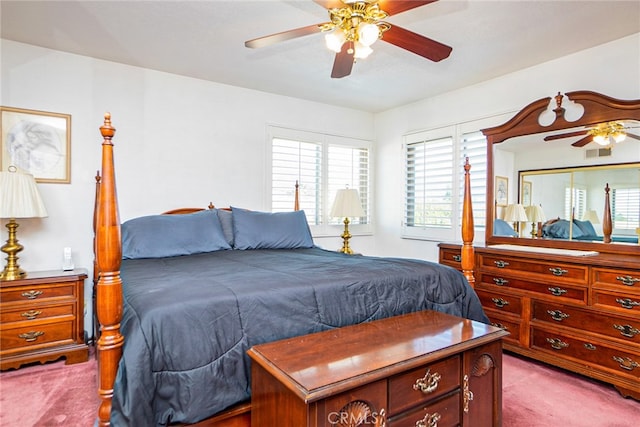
[
  {"x": 322, "y": 164},
  {"x": 575, "y": 202},
  {"x": 625, "y": 209}
]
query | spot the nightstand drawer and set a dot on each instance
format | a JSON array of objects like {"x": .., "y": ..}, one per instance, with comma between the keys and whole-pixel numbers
[
  {"x": 36, "y": 312},
  {"x": 443, "y": 413},
  {"x": 38, "y": 293},
  {"x": 37, "y": 335},
  {"x": 423, "y": 384}
]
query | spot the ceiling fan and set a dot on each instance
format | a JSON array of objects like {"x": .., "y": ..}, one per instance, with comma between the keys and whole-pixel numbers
[
  {"x": 602, "y": 134},
  {"x": 355, "y": 25}
]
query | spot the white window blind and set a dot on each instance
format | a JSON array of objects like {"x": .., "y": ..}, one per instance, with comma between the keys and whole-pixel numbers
[
  {"x": 625, "y": 209},
  {"x": 575, "y": 202},
  {"x": 474, "y": 147},
  {"x": 349, "y": 167}
]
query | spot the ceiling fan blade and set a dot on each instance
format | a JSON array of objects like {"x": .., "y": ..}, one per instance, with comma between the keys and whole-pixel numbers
[
  {"x": 285, "y": 35},
  {"x": 630, "y": 135},
  {"x": 583, "y": 141},
  {"x": 565, "y": 135},
  {"x": 330, "y": 4},
  {"x": 420, "y": 45},
  {"x": 343, "y": 63},
  {"x": 394, "y": 7}
]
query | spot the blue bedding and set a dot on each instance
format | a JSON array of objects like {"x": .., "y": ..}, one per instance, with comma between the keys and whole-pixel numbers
[{"x": 189, "y": 320}]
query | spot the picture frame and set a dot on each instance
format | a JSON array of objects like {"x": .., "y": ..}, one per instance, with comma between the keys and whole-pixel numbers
[
  {"x": 526, "y": 193},
  {"x": 502, "y": 191},
  {"x": 36, "y": 142}
]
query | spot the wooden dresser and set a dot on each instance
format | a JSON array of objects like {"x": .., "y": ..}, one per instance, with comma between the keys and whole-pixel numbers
[
  {"x": 42, "y": 318},
  {"x": 580, "y": 313},
  {"x": 420, "y": 369}
]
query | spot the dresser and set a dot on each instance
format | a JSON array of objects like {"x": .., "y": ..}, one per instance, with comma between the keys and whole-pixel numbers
[
  {"x": 420, "y": 369},
  {"x": 42, "y": 318},
  {"x": 580, "y": 313}
]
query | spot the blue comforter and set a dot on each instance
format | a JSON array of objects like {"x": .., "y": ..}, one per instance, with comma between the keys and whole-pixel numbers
[{"x": 188, "y": 321}]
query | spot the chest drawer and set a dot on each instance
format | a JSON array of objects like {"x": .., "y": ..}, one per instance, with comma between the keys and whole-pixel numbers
[
  {"x": 442, "y": 413},
  {"x": 622, "y": 328},
  {"x": 423, "y": 384},
  {"x": 36, "y": 312},
  {"x": 362, "y": 405},
  {"x": 38, "y": 293},
  {"x": 501, "y": 302},
  {"x": 519, "y": 266},
  {"x": 25, "y": 337},
  {"x": 549, "y": 287},
  {"x": 622, "y": 280}
]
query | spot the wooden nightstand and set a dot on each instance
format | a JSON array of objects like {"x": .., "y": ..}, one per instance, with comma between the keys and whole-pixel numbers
[{"x": 42, "y": 318}]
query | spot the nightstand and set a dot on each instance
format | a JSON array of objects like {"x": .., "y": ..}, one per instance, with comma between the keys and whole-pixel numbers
[{"x": 42, "y": 318}]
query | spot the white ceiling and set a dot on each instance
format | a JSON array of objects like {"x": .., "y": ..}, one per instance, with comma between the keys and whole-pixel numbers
[{"x": 205, "y": 40}]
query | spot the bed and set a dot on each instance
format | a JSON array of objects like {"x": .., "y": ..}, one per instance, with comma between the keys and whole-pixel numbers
[{"x": 179, "y": 309}]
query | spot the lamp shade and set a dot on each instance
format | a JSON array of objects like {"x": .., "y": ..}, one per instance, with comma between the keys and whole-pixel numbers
[
  {"x": 535, "y": 213},
  {"x": 347, "y": 204},
  {"x": 591, "y": 216},
  {"x": 19, "y": 196},
  {"x": 515, "y": 213}
]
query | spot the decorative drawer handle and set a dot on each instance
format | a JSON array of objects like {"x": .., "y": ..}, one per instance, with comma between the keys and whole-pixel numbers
[
  {"x": 429, "y": 420},
  {"x": 428, "y": 383},
  {"x": 557, "y": 291},
  {"x": 32, "y": 294},
  {"x": 589, "y": 346},
  {"x": 500, "y": 325},
  {"x": 31, "y": 336},
  {"x": 457, "y": 258},
  {"x": 500, "y": 281},
  {"x": 557, "y": 271},
  {"x": 467, "y": 395},
  {"x": 628, "y": 280},
  {"x": 557, "y": 343},
  {"x": 626, "y": 363},
  {"x": 499, "y": 302},
  {"x": 627, "y": 302},
  {"x": 501, "y": 264},
  {"x": 31, "y": 314},
  {"x": 627, "y": 330},
  {"x": 557, "y": 315}
]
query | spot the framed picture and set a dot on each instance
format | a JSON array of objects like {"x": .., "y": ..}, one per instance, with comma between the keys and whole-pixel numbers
[
  {"x": 502, "y": 191},
  {"x": 526, "y": 193},
  {"x": 37, "y": 142}
]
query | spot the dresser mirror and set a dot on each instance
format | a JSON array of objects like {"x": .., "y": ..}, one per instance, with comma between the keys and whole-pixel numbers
[{"x": 555, "y": 176}]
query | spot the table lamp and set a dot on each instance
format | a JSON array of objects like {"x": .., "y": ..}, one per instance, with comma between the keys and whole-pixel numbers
[
  {"x": 19, "y": 198},
  {"x": 535, "y": 214},
  {"x": 347, "y": 205}
]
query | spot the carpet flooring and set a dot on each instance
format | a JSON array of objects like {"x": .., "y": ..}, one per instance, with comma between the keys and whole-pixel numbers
[{"x": 534, "y": 395}]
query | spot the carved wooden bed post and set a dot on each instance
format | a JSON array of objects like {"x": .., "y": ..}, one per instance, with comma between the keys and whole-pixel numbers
[
  {"x": 467, "y": 261},
  {"x": 607, "y": 225},
  {"x": 109, "y": 288}
]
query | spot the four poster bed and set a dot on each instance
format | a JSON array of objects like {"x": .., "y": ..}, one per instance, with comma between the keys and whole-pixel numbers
[{"x": 178, "y": 309}]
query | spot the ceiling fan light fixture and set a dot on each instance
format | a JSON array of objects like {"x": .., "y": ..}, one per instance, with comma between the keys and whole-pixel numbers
[
  {"x": 368, "y": 33},
  {"x": 601, "y": 139},
  {"x": 361, "y": 50},
  {"x": 335, "y": 39},
  {"x": 618, "y": 136}
]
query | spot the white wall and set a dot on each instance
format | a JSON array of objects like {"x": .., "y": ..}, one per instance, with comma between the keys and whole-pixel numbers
[{"x": 612, "y": 69}]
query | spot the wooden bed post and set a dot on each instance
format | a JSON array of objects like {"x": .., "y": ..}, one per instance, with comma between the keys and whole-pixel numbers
[
  {"x": 108, "y": 255},
  {"x": 607, "y": 226},
  {"x": 467, "y": 254}
]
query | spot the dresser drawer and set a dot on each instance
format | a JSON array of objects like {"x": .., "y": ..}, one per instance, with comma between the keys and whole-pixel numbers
[
  {"x": 501, "y": 302},
  {"x": 626, "y": 303},
  {"x": 36, "y": 336},
  {"x": 442, "y": 413},
  {"x": 595, "y": 353},
  {"x": 451, "y": 257},
  {"x": 548, "y": 287},
  {"x": 423, "y": 384},
  {"x": 623, "y": 280},
  {"x": 38, "y": 293},
  {"x": 519, "y": 266},
  {"x": 623, "y": 328},
  {"x": 506, "y": 323},
  {"x": 36, "y": 312}
]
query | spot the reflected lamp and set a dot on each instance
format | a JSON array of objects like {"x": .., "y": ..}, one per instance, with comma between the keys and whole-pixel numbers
[
  {"x": 347, "y": 205},
  {"x": 535, "y": 215},
  {"x": 516, "y": 214}
]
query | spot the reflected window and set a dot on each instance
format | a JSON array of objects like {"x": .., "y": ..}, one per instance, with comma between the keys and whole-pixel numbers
[{"x": 625, "y": 209}]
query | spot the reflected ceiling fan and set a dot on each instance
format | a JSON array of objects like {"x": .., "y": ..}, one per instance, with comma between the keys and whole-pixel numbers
[
  {"x": 602, "y": 134},
  {"x": 355, "y": 25}
]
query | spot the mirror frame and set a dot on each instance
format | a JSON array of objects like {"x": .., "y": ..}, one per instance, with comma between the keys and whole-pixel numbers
[{"x": 598, "y": 108}]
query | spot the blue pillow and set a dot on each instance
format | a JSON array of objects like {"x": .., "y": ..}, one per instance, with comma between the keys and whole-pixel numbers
[
  {"x": 159, "y": 236},
  {"x": 502, "y": 228},
  {"x": 585, "y": 227},
  {"x": 267, "y": 230},
  {"x": 560, "y": 230},
  {"x": 226, "y": 221}
]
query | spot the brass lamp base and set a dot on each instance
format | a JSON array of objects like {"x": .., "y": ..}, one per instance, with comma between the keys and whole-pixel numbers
[
  {"x": 12, "y": 270},
  {"x": 345, "y": 249}
]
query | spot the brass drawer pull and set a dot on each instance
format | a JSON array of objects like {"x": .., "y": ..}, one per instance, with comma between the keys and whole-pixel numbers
[
  {"x": 31, "y": 335},
  {"x": 467, "y": 395},
  {"x": 500, "y": 281},
  {"x": 628, "y": 280},
  {"x": 457, "y": 258},
  {"x": 428, "y": 383},
  {"x": 589, "y": 346},
  {"x": 627, "y": 330},
  {"x": 499, "y": 302},
  {"x": 627, "y": 302},
  {"x": 500, "y": 325},
  {"x": 501, "y": 264},
  {"x": 557, "y": 271},
  {"x": 557, "y": 315},
  {"x": 626, "y": 363},
  {"x": 31, "y": 314},
  {"x": 557, "y": 343},
  {"x": 429, "y": 420},
  {"x": 32, "y": 294},
  {"x": 556, "y": 291}
]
